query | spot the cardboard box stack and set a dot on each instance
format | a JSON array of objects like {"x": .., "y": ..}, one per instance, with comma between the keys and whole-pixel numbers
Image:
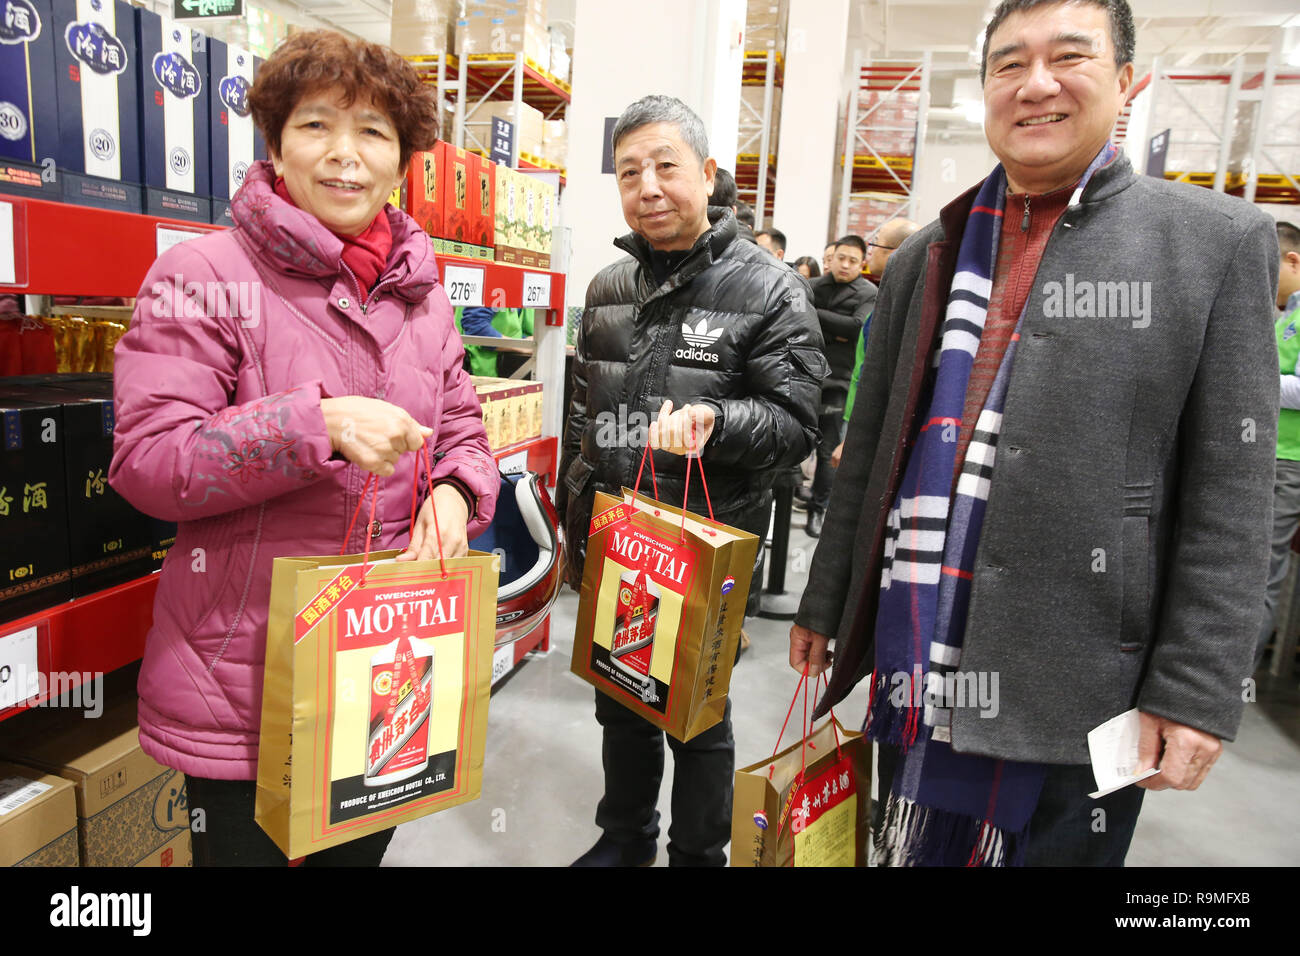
[
  {"x": 561, "y": 55},
  {"x": 131, "y": 810},
  {"x": 751, "y": 117},
  {"x": 512, "y": 409},
  {"x": 513, "y": 26},
  {"x": 424, "y": 27},
  {"x": 555, "y": 142},
  {"x": 529, "y": 125},
  {"x": 38, "y": 818},
  {"x": 765, "y": 23}
]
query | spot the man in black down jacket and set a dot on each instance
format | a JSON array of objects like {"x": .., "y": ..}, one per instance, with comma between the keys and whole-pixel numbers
[
  {"x": 692, "y": 319},
  {"x": 844, "y": 300}
]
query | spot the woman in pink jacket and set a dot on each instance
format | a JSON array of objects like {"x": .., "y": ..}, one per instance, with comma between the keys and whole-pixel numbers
[{"x": 267, "y": 370}]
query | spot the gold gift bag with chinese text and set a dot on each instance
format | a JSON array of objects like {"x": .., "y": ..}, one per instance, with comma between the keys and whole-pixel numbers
[
  {"x": 809, "y": 805},
  {"x": 660, "y": 610},
  {"x": 375, "y": 701}
]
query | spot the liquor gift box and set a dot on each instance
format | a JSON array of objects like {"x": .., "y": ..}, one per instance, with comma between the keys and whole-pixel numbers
[
  {"x": 456, "y": 174},
  {"x": 172, "y": 69},
  {"x": 236, "y": 141},
  {"x": 485, "y": 207},
  {"x": 423, "y": 197},
  {"x": 34, "y": 567},
  {"x": 99, "y": 108},
  {"x": 107, "y": 540},
  {"x": 507, "y": 236},
  {"x": 29, "y": 116},
  {"x": 38, "y": 818}
]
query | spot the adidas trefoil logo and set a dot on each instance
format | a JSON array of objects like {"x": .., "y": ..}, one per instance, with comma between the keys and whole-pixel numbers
[{"x": 700, "y": 338}]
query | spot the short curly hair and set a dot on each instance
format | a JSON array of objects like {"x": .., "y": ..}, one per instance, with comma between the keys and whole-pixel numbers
[{"x": 317, "y": 60}]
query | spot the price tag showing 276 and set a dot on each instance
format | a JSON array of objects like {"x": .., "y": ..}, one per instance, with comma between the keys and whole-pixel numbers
[{"x": 464, "y": 285}]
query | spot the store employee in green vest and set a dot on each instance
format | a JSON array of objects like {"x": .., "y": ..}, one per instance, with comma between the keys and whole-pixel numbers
[
  {"x": 497, "y": 323},
  {"x": 1286, "y": 487}
]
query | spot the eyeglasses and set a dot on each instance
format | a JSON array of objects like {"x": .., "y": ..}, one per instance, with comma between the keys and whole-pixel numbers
[{"x": 876, "y": 245}]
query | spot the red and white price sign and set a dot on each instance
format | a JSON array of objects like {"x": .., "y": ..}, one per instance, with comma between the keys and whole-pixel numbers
[
  {"x": 169, "y": 236},
  {"x": 537, "y": 290},
  {"x": 464, "y": 285},
  {"x": 8, "y": 259},
  {"x": 18, "y": 667}
]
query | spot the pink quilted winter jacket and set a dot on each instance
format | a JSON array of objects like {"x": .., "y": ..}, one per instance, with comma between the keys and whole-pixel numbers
[{"x": 236, "y": 338}]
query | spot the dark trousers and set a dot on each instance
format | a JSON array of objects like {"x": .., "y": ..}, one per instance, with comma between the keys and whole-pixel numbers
[
  {"x": 1068, "y": 827},
  {"x": 233, "y": 838},
  {"x": 831, "y": 426},
  {"x": 1286, "y": 517},
  {"x": 703, "y": 776}
]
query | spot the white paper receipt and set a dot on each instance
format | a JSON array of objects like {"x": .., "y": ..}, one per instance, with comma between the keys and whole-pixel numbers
[{"x": 1113, "y": 747}]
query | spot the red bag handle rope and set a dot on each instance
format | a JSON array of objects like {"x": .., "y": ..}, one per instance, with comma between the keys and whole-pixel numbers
[
  {"x": 686, "y": 492},
  {"x": 803, "y": 685},
  {"x": 371, "y": 487}
]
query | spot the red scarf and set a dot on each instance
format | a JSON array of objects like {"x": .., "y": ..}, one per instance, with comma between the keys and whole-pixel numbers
[{"x": 365, "y": 254}]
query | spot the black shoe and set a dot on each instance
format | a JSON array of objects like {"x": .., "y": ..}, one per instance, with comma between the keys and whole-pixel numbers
[
  {"x": 802, "y": 493},
  {"x": 815, "y": 516},
  {"x": 799, "y": 504},
  {"x": 608, "y": 853}
]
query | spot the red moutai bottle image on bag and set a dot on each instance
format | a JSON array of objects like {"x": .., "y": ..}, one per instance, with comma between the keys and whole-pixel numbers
[{"x": 401, "y": 701}]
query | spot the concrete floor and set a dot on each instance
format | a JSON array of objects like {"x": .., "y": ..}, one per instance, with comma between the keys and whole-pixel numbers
[{"x": 543, "y": 777}]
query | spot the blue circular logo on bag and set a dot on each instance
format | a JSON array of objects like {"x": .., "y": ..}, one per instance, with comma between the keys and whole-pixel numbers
[
  {"x": 760, "y": 820},
  {"x": 727, "y": 584}
]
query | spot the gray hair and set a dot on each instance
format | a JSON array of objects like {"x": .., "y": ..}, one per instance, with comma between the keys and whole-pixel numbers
[{"x": 664, "y": 109}]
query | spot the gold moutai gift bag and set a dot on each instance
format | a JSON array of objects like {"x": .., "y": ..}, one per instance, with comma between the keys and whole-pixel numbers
[
  {"x": 808, "y": 805},
  {"x": 375, "y": 701},
  {"x": 659, "y": 615}
]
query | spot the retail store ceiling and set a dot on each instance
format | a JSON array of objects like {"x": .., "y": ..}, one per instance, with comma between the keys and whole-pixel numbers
[
  {"x": 1185, "y": 33},
  {"x": 370, "y": 19},
  {"x": 1189, "y": 34}
]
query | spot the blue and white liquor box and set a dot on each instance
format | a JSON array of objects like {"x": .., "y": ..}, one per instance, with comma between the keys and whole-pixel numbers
[
  {"x": 29, "y": 120},
  {"x": 236, "y": 141},
  {"x": 173, "y": 72},
  {"x": 99, "y": 109}
]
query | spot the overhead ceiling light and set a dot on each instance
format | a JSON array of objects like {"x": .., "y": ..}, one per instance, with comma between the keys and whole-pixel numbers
[{"x": 972, "y": 110}]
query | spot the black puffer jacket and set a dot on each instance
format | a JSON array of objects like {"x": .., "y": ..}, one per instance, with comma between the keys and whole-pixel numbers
[
  {"x": 731, "y": 327},
  {"x": 842, "y": 307}
]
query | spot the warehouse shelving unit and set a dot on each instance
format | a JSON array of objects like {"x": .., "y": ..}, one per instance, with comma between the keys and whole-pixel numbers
[
  {"x": 755, "y": 169},
  {"x": 882, "y": 148},
  {"x": 112, "y": 252},
  {"x": 501, "y": 77},
  {"x": 1260, "y": 163}
]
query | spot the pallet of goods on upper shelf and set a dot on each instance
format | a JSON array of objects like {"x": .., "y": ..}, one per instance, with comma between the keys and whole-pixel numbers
[{"x": 120, "y": 108}]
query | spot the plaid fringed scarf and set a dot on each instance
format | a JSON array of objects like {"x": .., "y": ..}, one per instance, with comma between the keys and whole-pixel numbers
[{"x": 947, "y": 808}]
